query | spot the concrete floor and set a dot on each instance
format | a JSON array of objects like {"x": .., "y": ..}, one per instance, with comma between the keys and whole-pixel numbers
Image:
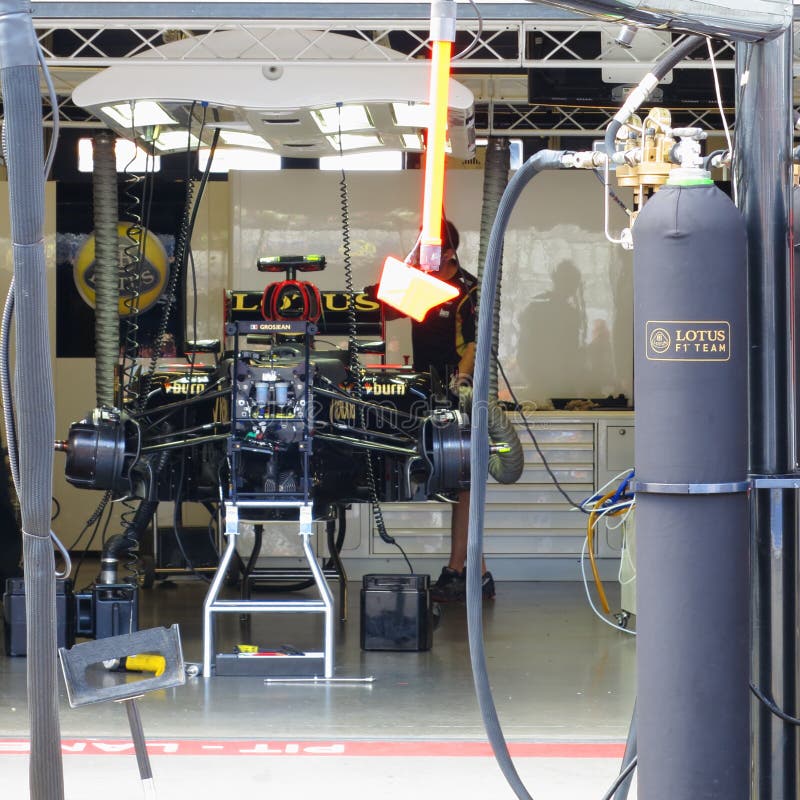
[{"x": 563, "y": 684}]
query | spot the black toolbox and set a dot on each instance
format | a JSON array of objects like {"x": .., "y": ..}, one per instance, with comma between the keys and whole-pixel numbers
[
  {"x": 396, "y": 612},
  {"x": 14, "y": 616}
]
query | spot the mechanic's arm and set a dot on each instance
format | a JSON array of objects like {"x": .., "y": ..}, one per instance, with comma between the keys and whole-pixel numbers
[{"x": 466, "y": 364}]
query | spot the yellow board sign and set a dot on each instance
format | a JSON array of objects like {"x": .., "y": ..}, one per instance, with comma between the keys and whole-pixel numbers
[{"x": 151, "y": 273}]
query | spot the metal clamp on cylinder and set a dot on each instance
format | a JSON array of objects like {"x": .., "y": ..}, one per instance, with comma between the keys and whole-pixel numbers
[{"x": 650, "y": 487}]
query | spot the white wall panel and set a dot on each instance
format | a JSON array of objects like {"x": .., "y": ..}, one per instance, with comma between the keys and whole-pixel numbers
[{"x": 567, "y": 301}]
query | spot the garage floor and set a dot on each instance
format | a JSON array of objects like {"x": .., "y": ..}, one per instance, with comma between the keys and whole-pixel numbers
[{"x": 563, "y": 684}]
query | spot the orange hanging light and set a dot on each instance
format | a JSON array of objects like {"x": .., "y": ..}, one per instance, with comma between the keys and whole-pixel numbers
[
  {"x": 412, "y": 291},
  {"x": 443, "y": 34},
  {"x": 403, "y": 287}
]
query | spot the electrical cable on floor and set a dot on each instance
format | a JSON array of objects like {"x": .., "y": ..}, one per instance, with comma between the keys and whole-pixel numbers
[
  {"x": 594, "y": 608},
  {"x": 613, "y": 503},
  {"x": 576, "y": 505},
  {"x": 593, "y": 517}
]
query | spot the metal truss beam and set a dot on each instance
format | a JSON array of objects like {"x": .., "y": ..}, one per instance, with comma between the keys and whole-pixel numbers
[
  {"x": 58, "y": 11},
  {"x": 79, "y": 38}
]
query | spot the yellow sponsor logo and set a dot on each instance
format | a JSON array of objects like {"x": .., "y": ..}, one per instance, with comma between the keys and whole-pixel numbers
[
  {"x": 342, "y": 411},
  {"x": 331, "y": 301},
  {"x": 688, "y": 340}
]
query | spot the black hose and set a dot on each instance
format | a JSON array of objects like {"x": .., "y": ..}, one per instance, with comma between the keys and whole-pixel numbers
[
  {"x": 479, "y": 462},
  {"x": 687, "y": 46},
  {"x": 631, "y": 748},
  {"x": 710, "y": 157},
  {"x": 337, "y": 526},
  {"x": 623, "y": 776},
  {"x": 125, "y": 545}
]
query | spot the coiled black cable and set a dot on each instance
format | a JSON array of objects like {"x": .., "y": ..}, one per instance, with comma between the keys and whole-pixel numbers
[
  {"x": 179, "y": 259},
  {"x": 545, "y": 463},
  {"x": 94, "y": 519},
  {"x": 355, "y": 362},
  {"x": 182, "y": 257},
  {"x": 773, "y": 707},
  {"x": 137, "y": 200}
]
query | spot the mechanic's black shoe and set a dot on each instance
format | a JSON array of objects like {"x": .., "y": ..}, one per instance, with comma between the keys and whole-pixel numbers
[
  {"x": 450, "y": 587},
  {"x": 487, "y": 586}
]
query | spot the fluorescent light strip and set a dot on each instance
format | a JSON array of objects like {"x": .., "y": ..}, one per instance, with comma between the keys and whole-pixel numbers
[
  {"x": 354, "y": 141},
  {"x": 175, "y": 140},
  {"x": 351, "y": 118},
  {"x": 141, "y": 114},
  {"x": 411, "y": 115},
  {"x": 413, "y": 141},
  {"x": 242, "y": 139}
]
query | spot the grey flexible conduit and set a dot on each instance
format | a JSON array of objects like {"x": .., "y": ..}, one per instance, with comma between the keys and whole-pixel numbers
[
  {"x": 106, "y": 267},
  {"x": 8, "y": 414},
  {"x": 34, "y": 401},
  {"x": 5, "y": 385},
  {"x": 503, "y": 467},
  {"x": 495, "y": 180},
  {"x": 479, "y": 462}
]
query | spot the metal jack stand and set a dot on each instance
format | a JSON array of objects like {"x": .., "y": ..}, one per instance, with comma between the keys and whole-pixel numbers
[
  {"x": 213, "y": 605},
  {"x": 78, "y": 660}
]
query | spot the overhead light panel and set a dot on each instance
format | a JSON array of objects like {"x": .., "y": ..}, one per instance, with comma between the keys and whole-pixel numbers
[
  {"x": 141, "y": 114},
  {"x": 175, "y": 140},
  {"x": 413, "y": 141},
  {"x": 354, "y": 141},
  {"x": 241, "y": 139},
  {"x": 297, "y": 107},
  {"x": 411, "y": 115},
  {"x": 345, "y": 118}
]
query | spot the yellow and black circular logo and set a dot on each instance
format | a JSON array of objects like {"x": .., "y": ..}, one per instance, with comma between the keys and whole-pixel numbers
[
  {"x": 150, "y": 274},
  {"x": 660, "y": 340}
]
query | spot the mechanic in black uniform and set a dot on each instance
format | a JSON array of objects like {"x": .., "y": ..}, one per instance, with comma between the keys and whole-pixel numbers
[{"x": 444, "y": 343}]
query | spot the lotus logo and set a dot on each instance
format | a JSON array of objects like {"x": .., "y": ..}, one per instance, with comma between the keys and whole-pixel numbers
[{"x": 660, "y": 340}]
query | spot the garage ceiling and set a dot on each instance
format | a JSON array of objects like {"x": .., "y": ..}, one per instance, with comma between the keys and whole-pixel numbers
[{"x": 535, "y": 70}]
